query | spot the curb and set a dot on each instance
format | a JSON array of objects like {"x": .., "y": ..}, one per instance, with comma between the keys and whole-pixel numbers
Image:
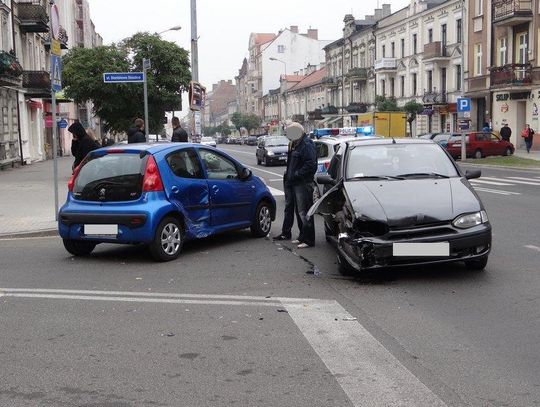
[{"x": 29, "y": 234}]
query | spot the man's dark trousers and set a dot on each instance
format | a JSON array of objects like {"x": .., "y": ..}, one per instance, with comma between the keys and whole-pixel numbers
[
  {"x": 303, "y": 198},
  {"x": 288, "y": 219}
]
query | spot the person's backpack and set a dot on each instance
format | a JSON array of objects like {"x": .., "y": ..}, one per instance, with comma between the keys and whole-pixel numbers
[{"x": 525, "y": 133}]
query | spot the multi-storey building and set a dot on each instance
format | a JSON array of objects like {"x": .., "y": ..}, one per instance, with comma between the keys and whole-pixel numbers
[
  {"x": 218, "y": 100},
  {"x": 419, "y": 58},
  {"x": 350, "y": 80},
  {"x": 512, "y": 64}
]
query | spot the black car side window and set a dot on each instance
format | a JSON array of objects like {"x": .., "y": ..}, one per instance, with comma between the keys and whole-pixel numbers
[{"x": 185, "y": 164}]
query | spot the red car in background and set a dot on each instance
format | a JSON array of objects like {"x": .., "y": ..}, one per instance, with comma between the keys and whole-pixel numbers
[{"x": 480, "y": 144}]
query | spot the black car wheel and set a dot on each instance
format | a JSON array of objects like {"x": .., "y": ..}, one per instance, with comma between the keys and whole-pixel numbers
[
  {"x": 345, "y": 268},
  {"x": 262, "y": 223},
  {"x": 477, "y": 264},
  {"x": 168, "y": 241},
  {"x": 79, "y": 247},
  {"x": 478, "y": 154}
]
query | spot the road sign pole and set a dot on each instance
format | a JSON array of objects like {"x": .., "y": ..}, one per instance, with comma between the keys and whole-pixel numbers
[
  {"x": 55, "y": 149},
  {"x": 146, "y": 65}
]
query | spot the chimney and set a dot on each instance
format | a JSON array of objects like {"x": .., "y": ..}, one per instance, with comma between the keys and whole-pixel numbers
[
  {"x": 387, "y": 10},
  {"x": 229, "y": 81},
  {"x": 378, "y": 14},
  {"x": 294, "y": 29},
  {"x": 214, "y": 87},
  {"x": 313, "y": 34}
]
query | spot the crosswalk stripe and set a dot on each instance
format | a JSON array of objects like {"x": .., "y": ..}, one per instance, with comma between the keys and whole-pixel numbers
[
  {"x": 514, "y": 181},
  {"x": 276, "y": 192},
  {"x": 496, "y": 191},
  {"x": 481, "y": 181},
  {"x": 531, "y": 180}
]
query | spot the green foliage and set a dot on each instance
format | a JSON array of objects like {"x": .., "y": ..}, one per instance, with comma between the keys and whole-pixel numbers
[
  {"x": 386, "y": 104},
  {"x": 249, "y": 121},
  {"x": 119, "y": 104},
  {"x": 413, "y": 108}
]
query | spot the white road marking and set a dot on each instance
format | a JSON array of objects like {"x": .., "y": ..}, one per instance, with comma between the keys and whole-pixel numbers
[
  {"x": 481, "y": 181},
  {"x": 268, "y": 172},
  {"x": 495, "y": 191},
  {"x": 13, "y": 239},
  {"x": 275, "y": 192},
  {"x": 368, "y": 373},
  {"x": 521, "y": 179},
  {"x": 512, "y": 181},
  {"x": 238, "y": 151},
  {"x": 275, "y": 179},
  {"x": 536, "y": 248}
]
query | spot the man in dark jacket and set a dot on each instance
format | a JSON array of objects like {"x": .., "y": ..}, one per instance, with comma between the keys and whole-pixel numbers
[
  {"x": 506, "y": 132},
  {"x": 82, "y": 144},
  {"x": 136, "y": 133},
  {"x": 298, "y": 183},
  {"x": 179, "y": 134}
]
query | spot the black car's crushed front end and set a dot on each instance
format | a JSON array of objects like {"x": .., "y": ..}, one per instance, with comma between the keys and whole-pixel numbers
[{"x": 365, "y": 248}]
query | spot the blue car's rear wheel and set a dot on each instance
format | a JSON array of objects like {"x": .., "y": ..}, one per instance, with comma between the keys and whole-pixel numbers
[
  {"x": 263, "y": 220},
  {"x": 168, "y": 241},
  {"x": 79, "y": 247}
]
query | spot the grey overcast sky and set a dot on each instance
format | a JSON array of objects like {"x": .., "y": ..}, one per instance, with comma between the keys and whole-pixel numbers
[{"x": 224, "y": 25}]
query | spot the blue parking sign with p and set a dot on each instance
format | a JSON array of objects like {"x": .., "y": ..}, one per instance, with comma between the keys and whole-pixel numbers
[{"x": 463, "y": 105}]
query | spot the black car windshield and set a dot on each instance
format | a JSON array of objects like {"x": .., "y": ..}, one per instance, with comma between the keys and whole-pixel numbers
[
  {"x": 277, "y": 141},
  {"x": 399, "y": 160}
]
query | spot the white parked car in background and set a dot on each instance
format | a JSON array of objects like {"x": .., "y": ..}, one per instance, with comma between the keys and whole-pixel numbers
[{"x": 208, "y": 141}]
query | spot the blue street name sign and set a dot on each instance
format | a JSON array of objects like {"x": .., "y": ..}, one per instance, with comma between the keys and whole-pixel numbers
[
  {"x": 123, "y": 77},
  {"x": 463, "y": 105},
  {"x": 56, "y": 73},
  {"x": 62, "y": 124}
]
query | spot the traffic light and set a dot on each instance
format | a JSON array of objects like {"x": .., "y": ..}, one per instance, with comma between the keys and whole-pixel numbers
[{"x": 197, "y": 95}]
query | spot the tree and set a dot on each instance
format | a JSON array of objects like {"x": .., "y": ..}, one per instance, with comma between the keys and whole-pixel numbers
[
  {"x": 386, "y": 105},
  {"x": 252, "y": 122},
  {"x": 119, "y": 104},
  {"x": 413, "y": 109},
  {"x": 237, "y": 120}
]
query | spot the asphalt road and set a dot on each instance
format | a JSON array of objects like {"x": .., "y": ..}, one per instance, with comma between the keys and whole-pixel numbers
[{"x": 243, "y": 321}]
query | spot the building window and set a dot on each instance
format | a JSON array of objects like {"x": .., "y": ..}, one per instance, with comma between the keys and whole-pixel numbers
[
  {"x": 392, "y": 86},
  {"x": 414, "y": 84},
  {"x": 430, "y": 35},
  {"x": 383, "y": 87},
  {"x": 415, "y": 44},
  {"x": 430, "y": 81},
  {"x": 458, "y": 77},
  {"x": 478, "y": 7},
  {"x": 403, "y": 48},
  {"x": 281, "y": 49},
  {"x": 522, "y": 48},
  {"x": 392, "y": 49},
  {"x": 443, "y": 80},
  {"x": 502, "y": 51},
  {"x": 478, "y": 59},
  {"x": 459, "y": 30},
  {"x": 384, "y": 51},
  {"x": 402, "y": 87},
  {"x": 443, "y": 39}
]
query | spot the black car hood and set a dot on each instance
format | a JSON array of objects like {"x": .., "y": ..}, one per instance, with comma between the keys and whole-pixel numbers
[
  {"x": 278, "y": 149},
  {"x": 408, "y": 203}
]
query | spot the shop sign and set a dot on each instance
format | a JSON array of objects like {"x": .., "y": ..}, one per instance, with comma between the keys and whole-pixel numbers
[
  {"x": 505, "y": 108},
  {"x": 502, "y": 97}
]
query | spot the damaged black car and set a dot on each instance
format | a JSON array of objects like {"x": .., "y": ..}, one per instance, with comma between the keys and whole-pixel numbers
[{"x": 401, "y": 202}]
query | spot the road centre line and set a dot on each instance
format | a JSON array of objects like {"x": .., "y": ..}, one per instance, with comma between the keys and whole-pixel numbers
[
  {"x": 236, "y": 151},
  {"x": 532, "y": 247},
  {"x": 268, "y": 172},
  {"x": 368, "y": 373}
]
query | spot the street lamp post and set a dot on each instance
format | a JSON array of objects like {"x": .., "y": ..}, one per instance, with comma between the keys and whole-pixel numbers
[{"x": 285, "y": 93}]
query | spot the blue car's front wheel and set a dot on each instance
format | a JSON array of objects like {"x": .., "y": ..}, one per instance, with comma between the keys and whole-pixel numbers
[
  {"x": 263, "y": 220},
  {"x": 168, "y": 240}
]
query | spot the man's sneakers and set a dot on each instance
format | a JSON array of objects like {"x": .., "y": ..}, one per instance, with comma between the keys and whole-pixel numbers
[
  {"x": 295, "y": 241},
  {"x": 281, "y": 237},
  {"x": 304, "y": 246}
]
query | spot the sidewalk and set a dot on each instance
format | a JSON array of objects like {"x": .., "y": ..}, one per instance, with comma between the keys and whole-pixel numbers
[
  {"x": 533, "y": 155},
  {"x": 27, "y": 196}
]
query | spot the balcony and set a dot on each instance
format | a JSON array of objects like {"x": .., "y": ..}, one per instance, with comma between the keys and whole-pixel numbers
[
  {"x": 299, "y": 118},
  {"x": 386, "y": 64},
  {"x": 434, "y": 97},
  {"x": 330, "y": 82},
  {"x": 435, "y": 51},
  {"x": 511, "y": 75},
  {"x": 358, "y": 74},
  {"x": 511, "y": 12},
  {"x": 32, "y": 15},
  {"x": 315, "y": 115},
  {"x": 10, "y": 70},
  {"x": 329, "y": 110},
  {"x": 356, "y": 108},
  {"x": 36, "y": 83},
  {"x": 63, "y": 38}
]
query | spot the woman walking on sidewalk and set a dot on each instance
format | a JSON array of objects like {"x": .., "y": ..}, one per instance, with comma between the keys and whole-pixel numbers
[{"x": 527, "y": 135}]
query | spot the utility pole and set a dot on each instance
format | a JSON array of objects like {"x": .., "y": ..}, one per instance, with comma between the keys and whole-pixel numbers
[
  {"x": 146, "y": 67},
  {"x": 194, "y": 45},
  {"x": 463, "y": 25}
]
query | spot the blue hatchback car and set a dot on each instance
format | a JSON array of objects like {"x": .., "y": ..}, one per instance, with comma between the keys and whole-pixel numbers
[{"x": 161, "y": 195}]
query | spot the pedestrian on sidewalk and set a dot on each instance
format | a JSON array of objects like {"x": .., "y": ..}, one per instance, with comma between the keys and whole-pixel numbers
[
  {"x": 82, "y": 144},
  {"x": 136, "y": 133},
  {"x": 298, "y": 180},
  {"x": 527, "y": 135},
  {"x": 486, "y": 128},
  {"x": 506, "y": 132},
  {"x": 179, "y": 134}
]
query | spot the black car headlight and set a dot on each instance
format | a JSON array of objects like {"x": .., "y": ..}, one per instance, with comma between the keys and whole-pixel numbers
[{"x": 470, "y": 220}]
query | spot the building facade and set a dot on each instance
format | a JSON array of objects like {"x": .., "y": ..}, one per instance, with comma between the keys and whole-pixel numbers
[{"x": 419, "y": 57}]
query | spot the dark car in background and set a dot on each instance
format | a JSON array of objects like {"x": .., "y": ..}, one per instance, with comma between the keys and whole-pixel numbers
[
  {"x": 439, "y": 138},
  {"x": 480, "y": 144},
  {"x": 251, "y": 141},
  {"x": 400, "y": 203},
  {"x": 272, "y": 150}
]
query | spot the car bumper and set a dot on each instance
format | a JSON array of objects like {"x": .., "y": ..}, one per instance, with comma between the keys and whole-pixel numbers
[
  {"x": 137, "y": 221},
  {"x": 375, "y": 253},
  {"x": 276, "y": 160}
]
